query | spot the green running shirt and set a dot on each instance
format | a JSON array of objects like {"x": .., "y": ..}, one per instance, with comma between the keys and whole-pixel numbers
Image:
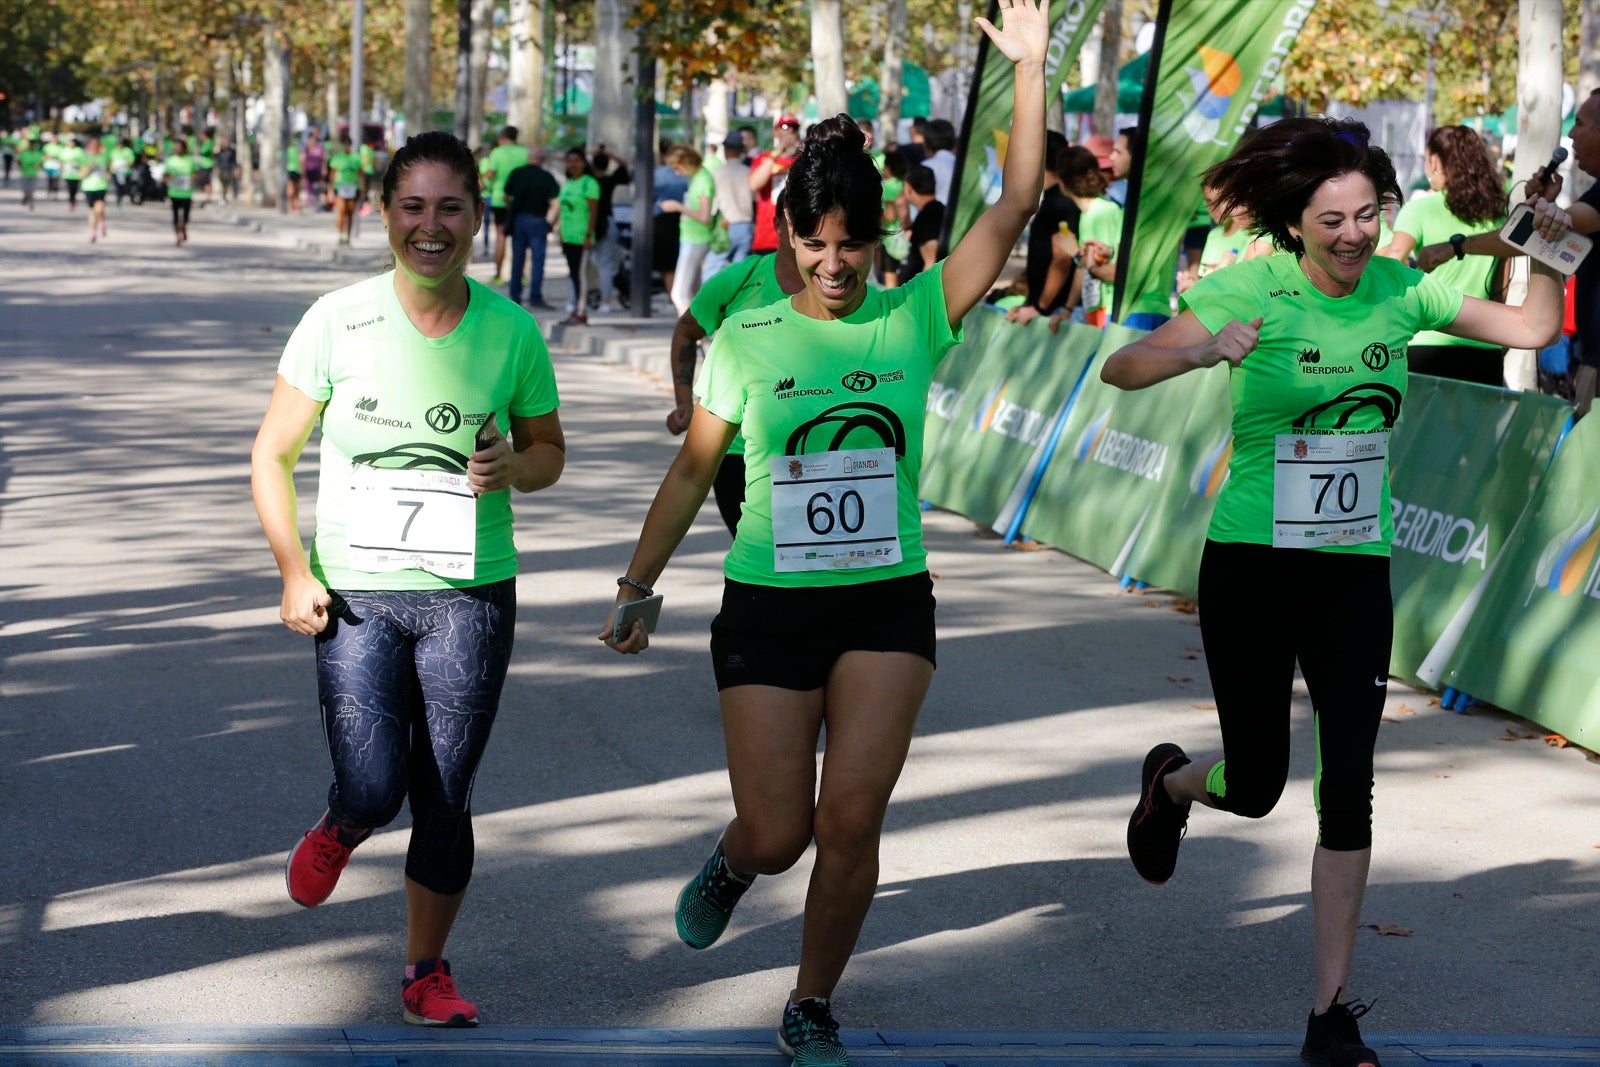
[
  {"x": 1429, "y": 221},
  {"x": 178, "y": 172},
  {"x": 1101, "y": 221},
  {"x": 1323, "y": 365},
  {"x": 395, "y": 399},
  {"x": 577, "y": 195},
  {"x": 503, "y": 159},
  {"x": 799, "y": 386},
  {"x": 750, "y": 283}
]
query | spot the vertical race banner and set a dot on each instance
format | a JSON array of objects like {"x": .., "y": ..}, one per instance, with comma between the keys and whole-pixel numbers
[
  {"x": 1212, "y": 65},
  {"x": 986, "y": 128}
]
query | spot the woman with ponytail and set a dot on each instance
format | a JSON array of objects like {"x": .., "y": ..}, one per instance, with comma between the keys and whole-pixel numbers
[
  {"x": 827, "y": 611},
  {"x": 1465, "y": 198}
]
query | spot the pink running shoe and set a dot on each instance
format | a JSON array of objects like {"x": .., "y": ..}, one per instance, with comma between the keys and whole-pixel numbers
[
  {"x": 431, "y": 998},
  {"x": 317, "y": 861}
]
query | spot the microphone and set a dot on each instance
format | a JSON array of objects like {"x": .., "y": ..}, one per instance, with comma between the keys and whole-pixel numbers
[{"x": 1558, "y": 157}]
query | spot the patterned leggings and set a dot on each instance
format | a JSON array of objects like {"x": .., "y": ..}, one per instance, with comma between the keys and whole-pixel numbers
[{"x": 409, "y": 684}]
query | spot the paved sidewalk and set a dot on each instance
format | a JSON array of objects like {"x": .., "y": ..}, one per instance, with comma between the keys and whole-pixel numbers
[{"x": 162, "y": 753}]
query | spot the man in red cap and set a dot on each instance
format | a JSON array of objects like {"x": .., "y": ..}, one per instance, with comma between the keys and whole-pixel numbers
[{"x": 768, "y": 171}]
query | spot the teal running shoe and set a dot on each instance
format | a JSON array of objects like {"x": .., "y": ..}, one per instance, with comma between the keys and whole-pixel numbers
[
  {"x": 706, "y": 903},
  {"x": 811, "y": 1035}
]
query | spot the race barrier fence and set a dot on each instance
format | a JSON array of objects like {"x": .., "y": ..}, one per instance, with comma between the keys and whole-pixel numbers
[{"x": 1496, "y": 558}]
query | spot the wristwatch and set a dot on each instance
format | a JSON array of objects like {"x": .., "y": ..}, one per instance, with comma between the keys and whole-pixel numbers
[{"x": 1457, "y": 242}]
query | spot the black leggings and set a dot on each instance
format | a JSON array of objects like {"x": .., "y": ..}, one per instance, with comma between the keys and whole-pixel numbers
[
  {"x": 1263, "y": 608},
  {"x": 409, "y": 684},
  {"x": 576, "y": 262},
  {"x": 1463, "y": 363},
  {"x": 180, "y": 211}
]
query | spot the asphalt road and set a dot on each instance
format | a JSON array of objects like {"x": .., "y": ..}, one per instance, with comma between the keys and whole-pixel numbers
[{"x": 163, "y": 751}]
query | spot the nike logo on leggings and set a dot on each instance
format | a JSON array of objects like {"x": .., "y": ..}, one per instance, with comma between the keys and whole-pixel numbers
[{"x": 1381, "y": 681}]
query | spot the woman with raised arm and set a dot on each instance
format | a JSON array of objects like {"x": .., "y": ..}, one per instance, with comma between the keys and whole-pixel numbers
[
  {"x": 827, "y": 611},
  {"x": 1296, "y": 562}
]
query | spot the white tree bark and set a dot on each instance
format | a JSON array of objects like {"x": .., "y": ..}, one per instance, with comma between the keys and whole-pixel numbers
[
  {"x": 482, "y": 27},
  {"x": 827, "y": 56},
  {"x": 1538, "y": 130},
  {"x": 524, "y": 91},
  {"x": 891, "y": 79},
  {"x": 275, "y": 78},
  {"x": 611, "y": 116},
  {"x": 330, "y": 101},
  {"x": 716, "y": 112},
  {"x": 418, "y": 103}
]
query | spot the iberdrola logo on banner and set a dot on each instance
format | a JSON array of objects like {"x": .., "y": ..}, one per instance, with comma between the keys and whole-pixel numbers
[
  {"x": 1213, "y": 64},
  {"x": 1213, "y": 79},
  {"x": 1566, "y": 559},
  {"x": 1212, "y": 470}
]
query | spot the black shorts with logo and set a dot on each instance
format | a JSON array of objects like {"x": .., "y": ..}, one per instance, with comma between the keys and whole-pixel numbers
[{"x": 791, "y": 638}]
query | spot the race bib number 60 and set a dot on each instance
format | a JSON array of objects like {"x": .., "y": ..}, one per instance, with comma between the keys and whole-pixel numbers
[
  {"x": 1327, "y": 488},
  {"x": 834, "y": 510},
  {"x": 400, "y": 520}
]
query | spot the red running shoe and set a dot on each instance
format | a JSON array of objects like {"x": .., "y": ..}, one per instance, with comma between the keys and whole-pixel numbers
[
  {"x": 431, "y": 998},
  {"x": 318, "y": 859}
]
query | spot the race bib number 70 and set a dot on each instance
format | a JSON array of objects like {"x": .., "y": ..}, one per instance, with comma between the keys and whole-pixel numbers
[
  {"x": 833, "y": 510},
  {"x": 1327, "y": 488}
]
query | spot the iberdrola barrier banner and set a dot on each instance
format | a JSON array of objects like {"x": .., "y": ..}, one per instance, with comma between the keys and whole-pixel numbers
[
  {"x": 1112, "y": 465},
  {"x": 1212, "y": 65},
  {"x": 1465, "y": 460},
  {"x": 1167, "y": 553},
  {"x": 947, "y": 393},
  {"x": 986, "y": 128},
  {"x": 1009, "y": 404},
  {"x": 1531, "y": 646}
]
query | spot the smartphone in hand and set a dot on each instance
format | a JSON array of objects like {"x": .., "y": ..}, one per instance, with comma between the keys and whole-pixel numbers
[
  {"x": 488, "y": 433},
  {"x": 647, "y": 611}
]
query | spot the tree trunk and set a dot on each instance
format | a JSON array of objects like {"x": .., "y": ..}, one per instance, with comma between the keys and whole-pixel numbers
[
  {"x": 482, "y": 27},
  {"x": 275, "y": 125},
  {"x": 418, "y": 103},
  {"x": 463, "y": 69},
  {"x": 611, "y": 116},
  {"x": 1105, "y": 92},
  {"x": 1588, "y": 80},
  {"x": 827, "y": 56},
  {"x": 716, "y": 112},
  {"x": 524, "y": 89},
  {"x": 891, "y": 79},
  {"x": 1538, "y": 130}
]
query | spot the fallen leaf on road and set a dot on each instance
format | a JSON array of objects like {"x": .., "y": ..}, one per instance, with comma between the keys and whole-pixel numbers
[
  {"x": 1385, "y": 718},
  {"x": 1204, "y": 707},
  {"x": 1389, "y": 930},
  {"x": 1190, "y": 655},
  {"x": 1179, "y": 679},
  {"x": 1433, "y": 702},
  {"x": 1188, "y": 607},
  {"x": 1441, "y": 776},
  {"x": 1556, "y": 741},
  {"x": 1513, "y": 735},
  {"x": 1405, "y": 709}
]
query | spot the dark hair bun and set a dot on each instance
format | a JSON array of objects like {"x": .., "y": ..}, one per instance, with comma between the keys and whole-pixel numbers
[{"x": 838, "y": 134}]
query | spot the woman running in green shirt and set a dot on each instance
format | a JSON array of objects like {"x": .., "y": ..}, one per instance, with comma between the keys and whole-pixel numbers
[
  {"x": 179, "y": 171},
  {"x": 96, "y": 180},
  {"x": 1296, "y": 561},
  {"x": 828, "y": 614}
]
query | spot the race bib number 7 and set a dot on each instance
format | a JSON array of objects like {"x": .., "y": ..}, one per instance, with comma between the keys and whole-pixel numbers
[
  {"x": 834, "y": 510},
  {"x": 1327, "y": 488},
  {"x": 403, "y": 520}
]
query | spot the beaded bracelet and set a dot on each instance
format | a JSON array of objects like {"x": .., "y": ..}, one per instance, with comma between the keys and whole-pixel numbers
[{"x": 637, "y": 584}]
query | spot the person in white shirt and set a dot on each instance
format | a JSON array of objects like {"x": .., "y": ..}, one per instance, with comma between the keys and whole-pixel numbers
[{"x": 735, "y": 202}]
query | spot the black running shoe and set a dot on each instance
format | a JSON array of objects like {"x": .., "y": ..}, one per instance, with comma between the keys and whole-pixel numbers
[
  {"x": 1334, "y": 1040},
  {"x": 810, "y": 1035},
  {"x": 1157, "y": 826}
]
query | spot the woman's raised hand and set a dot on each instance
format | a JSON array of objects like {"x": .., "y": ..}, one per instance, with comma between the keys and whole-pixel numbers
[{"x": 1024, "y": 35}]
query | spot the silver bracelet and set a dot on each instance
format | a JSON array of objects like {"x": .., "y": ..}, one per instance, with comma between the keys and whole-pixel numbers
[{"x": 637, "y": 584}]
